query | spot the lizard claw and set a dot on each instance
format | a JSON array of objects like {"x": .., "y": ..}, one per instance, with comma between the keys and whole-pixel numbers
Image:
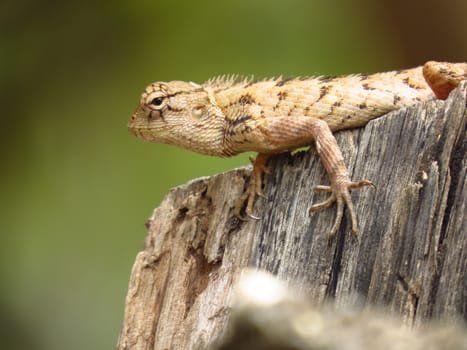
[
  {"x": 248, "y": 216},
  {"x": 249, "y": 198},
  {"x": 246, "y": 201},
  {"x": 340, "y": 193},
  {"x": 256, "y": 218}
]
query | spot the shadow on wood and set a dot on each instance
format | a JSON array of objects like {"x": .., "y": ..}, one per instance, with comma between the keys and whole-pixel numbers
[{"x": 410, "y": 256}]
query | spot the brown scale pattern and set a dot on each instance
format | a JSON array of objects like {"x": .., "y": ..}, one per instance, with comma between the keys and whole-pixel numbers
[{"x": 343, "y": 102}]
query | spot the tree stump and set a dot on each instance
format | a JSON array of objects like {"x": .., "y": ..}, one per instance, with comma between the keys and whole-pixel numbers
[{"x": 409, "y": 257}]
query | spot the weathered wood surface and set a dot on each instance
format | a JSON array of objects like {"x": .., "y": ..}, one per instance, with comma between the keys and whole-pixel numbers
[{"x": 410, "y": 255}]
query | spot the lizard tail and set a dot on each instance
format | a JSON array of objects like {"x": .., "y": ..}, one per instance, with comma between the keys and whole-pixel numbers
[{"x": 443, "y": 77}]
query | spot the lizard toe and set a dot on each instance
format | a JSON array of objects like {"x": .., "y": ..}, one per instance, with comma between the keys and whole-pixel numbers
[
  {"x": 361, "y": 184},
  {"x": 321, "y": 188},
  {"x": 323, "y": 205}
]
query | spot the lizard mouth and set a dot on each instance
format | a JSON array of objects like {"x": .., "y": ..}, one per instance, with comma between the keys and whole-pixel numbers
[
  {"x": 140, "y": 131},
  {"x": 134, "y": 125},
  {"x": 132, "y": 129}
]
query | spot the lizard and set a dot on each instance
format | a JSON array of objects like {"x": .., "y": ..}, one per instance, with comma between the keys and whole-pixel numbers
[{"x": 229, "y": 115}]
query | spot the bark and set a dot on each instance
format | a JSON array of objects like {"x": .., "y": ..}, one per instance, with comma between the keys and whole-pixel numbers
[{"x": 410, "y": 256}]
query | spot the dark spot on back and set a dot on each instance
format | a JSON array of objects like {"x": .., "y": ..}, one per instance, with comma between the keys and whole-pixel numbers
[
  {"x": 284, "y": 81},
  {"x": 363, "y": 76},
  {"x": 292, "y": 110},
  {"x": 246, "y": 99},
  {"x": 250, "y": 83},
  {"x": 411, "y": 85},
  {"x": 326, "y": 78},
  {"x": 396, "y": 100},
  {"x": 282, "y": 95},
  {"x": 323, "y": 91},
  {"x": 401, "y": 71},
  {"x": 367, "y": 87},
  {"x": 362, "y": 105}
]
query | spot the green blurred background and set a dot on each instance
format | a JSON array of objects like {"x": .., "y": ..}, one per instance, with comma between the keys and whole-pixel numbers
[{"x": 76, "y": 187}]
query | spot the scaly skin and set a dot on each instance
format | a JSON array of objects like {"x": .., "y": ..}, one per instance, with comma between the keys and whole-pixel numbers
[{"x": 226, "y": 116}]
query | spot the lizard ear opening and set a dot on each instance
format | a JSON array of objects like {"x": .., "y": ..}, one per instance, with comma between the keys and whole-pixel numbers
[{"x": 198, "y": 112}]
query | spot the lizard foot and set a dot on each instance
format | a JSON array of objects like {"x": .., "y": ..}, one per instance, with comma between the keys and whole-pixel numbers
[
  {"x": 254, "y": 188},
  {"x": 340, "y": 193}
]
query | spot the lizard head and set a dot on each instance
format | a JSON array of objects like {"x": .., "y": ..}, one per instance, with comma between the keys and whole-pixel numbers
[{"x": 179, "y": 113}]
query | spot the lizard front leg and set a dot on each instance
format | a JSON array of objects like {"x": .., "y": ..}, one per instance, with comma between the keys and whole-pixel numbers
[
  {"x": 292, "y": 132},
  {"x": 254, "y": 188}
]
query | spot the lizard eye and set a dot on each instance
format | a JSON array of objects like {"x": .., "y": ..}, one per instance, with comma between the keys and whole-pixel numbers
[{"x": 157, "y": 101}]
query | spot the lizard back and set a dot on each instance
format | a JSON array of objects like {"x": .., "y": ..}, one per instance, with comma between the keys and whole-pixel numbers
[{"x": 343, "y": 101}]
